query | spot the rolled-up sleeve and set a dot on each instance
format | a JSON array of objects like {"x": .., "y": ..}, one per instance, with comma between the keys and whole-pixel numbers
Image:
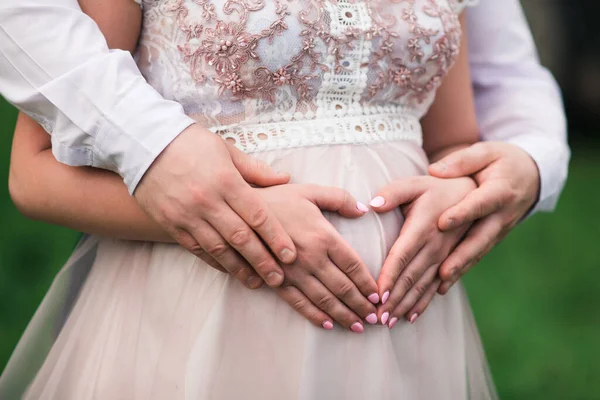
[
  {"x": 56, "y": 67},
  {"x": 517, "y": 99}
]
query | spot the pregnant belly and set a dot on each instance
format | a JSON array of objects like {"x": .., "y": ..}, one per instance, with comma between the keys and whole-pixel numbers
[{"x": 363, "y": 171}]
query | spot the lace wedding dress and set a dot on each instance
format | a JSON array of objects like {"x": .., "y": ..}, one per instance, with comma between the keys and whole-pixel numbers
[{"x": 330, "y": 91}]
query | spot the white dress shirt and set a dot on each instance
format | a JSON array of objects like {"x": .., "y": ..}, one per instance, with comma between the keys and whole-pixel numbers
[
  {"x": 517, "y": 100},
  {"x": 101, "y": 112}
]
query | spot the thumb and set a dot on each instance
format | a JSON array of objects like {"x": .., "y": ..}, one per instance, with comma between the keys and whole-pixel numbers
[
  {"x": 255, "y": 171},
  {"x": 467, "y": 161},
  {"x": 399, "y": 192},
  {"x": 336, "y": 200}
]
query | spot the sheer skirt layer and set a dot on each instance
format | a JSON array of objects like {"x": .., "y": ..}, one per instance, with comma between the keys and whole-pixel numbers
[{"x": 150, "y": 321}]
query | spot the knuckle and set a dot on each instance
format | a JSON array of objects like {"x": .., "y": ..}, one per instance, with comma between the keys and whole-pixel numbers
[
  {"x": 407, "y": 281},
  {"x": 325, "y": 302},
  {"x": 353, "y": 268},
  {"x": 325, "y": 234},
  {"x": 264, "y": 265},
  {"x": 402, "y": 259},
  {"x": 197, "y": 250},
  {"x": 345, "y": 290},
  {"x": 258, "y": 218},
  {"x": 299, "y": 304},
  {"x": 199, "y": 196},
  {"x": 217, "y": 250},
  {"x": 420, "y": 290},
  {"x": 241, "y": 274},
  {"x": 240, "y": 237}
]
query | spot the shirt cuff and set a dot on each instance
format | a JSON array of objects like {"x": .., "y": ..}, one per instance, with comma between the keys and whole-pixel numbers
[
  {"x": 137, "y": 130},
  {"x": 552, "y": 161}
]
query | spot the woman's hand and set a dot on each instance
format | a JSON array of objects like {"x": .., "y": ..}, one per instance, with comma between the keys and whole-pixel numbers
[
  {"x": 410, "y": 272},
  {"x": 509, "y": 185},
  {"x": 328, "y": 281}
]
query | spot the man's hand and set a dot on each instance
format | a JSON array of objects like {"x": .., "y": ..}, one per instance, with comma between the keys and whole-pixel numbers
[
  {"x": 509, "y": 185},
  {"x": 196, "y": 193}
]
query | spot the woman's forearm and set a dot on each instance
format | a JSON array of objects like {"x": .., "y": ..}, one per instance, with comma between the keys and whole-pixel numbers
[{"x": 85, "y": 199}]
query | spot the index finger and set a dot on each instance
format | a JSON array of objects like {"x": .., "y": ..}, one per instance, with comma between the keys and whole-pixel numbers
[
  {"x": 250, "y": 206},
  {"x": 349, "y": 262},
  {"x": 483, "y": 201},
  {"x": 404, "y": 250}
]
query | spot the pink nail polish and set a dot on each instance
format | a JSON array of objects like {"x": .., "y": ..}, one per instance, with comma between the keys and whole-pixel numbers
[
  {"x": 373, "y": 298},
  {"x": 384, "y": 317},
  {"x": 377, "y": 202},
  {"x": 393, "y": 322},
  {"x": 385, "y": 297},
  {"x": 361, "y": 207},
  {"x": 413, "y": 318},
  {"x": 372, "y": 318},
  {"x": 357, "y": 327},
  {"x": 328, "y": 325}
]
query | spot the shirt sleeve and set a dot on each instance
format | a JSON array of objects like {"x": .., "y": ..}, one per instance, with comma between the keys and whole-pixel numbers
[
  {"x": 94, "y": 101},
  {"x": 517, "y": 100}
]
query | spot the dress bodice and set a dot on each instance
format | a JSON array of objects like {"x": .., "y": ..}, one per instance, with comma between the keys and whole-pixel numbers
[{"x": 316, "y": 70}]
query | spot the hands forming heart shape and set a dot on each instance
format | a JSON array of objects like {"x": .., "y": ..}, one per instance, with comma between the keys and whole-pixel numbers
[{"x": 452, "y": 219}]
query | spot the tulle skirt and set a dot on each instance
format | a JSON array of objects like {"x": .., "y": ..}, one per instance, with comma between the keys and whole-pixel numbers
[{"x": 135, "y": 320}]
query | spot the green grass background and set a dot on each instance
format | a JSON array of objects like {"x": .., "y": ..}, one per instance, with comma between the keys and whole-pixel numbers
[{"x": 536, "y": 296}]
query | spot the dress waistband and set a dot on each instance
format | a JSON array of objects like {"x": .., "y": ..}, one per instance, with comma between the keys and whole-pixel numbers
[{"x": 363, "y": 129}]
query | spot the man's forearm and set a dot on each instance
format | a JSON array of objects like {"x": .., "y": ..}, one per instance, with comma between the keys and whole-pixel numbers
[
  {"x": 96, "y": 104},
  {"x": 518, "y": 100}
]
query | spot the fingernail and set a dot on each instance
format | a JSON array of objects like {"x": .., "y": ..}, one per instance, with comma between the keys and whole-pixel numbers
[
  {"x": 286, "y": 255},
  {"x": 385, "y": 297},
  {"x": 357, "y": 327},
  {"x": 274, "y": 279},
  {"x": 327, "y": 325},
  {"x": 384, "y": 317},
  {"x": 372, "y": 318},
  {"x": 454, "y": 275},
  {"x": 253, "y": 281},
  {"x": 361, "y": 207},
  {"x": 393, "y": 322},
  {"x": 450, "y": 222},
  {"x": 282, "y": 174},
  {"x": 440, "y": 165},
  {"x": 377, "y": 202},
  {"x": 373, "y": 298},
  {"x": 413, "y": 318}
]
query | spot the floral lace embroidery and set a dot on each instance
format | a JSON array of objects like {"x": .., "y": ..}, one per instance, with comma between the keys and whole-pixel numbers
[
  {"x": 225, "y": 51},
  {"x": 392, "y": 70}
]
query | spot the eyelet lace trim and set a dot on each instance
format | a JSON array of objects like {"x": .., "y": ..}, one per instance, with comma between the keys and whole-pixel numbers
[
  {"x": 382, "y": 127},
  {"x": 341, "y": 89}
]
